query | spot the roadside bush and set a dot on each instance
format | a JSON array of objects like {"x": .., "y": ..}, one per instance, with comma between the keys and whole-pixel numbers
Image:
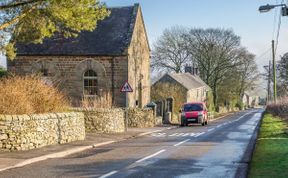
[
  {"x": 103, "y": 101},
  {"x": 240, "y": 105},
  {"x": 29, "y": 95},
  {"x": 280, "y": 108},
  {"x": 3, "y": 72}
]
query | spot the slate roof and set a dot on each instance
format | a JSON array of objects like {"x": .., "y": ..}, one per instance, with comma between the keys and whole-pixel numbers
[
  {"x": 187, "y": 80},
  {"x": 112, "y": 36}
]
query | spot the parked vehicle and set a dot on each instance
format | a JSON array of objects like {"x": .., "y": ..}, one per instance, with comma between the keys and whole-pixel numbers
[{"x": 194, "y": 113}]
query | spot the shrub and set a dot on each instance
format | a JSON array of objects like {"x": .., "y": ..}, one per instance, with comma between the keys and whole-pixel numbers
[
  {"x": 29, "y": 95},
  {"x": 103, "y": 101},
  {"x": 280, "y": 108},
  {"x": 3, "y": 72}
]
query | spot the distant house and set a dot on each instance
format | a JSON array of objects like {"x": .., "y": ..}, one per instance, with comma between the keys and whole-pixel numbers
[
  {"x": 196, "y": 89},
  {"x": 250, "y": 99},
  {"x": 95, "y": 62}
]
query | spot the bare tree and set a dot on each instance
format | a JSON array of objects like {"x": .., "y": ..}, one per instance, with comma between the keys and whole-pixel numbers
[
  {"x": 247, "y": 71},
  {"x": 170, "y": 52},
  {"x": 216, "y": 52}
]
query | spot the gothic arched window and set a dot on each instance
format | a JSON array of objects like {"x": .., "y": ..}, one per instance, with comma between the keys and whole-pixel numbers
[{"x": 90, "y": 83}]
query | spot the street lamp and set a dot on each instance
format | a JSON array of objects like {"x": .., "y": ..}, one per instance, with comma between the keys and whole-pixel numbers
[
  {"x": 268, "y": 7},
  {"x": 284, "y": 11}
]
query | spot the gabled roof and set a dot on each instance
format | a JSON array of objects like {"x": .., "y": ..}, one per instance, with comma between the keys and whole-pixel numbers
[
  {"x": 112, "y": 36},
  {"x": 187, "y": 80}
]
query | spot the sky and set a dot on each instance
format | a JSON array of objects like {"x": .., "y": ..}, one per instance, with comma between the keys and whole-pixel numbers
[{"x": 242, "y": 16}]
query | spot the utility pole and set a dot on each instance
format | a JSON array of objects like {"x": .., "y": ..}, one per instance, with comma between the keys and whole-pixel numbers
[
  {"x": 269, "y": 82},
  {"x": 274, "y": 72}
]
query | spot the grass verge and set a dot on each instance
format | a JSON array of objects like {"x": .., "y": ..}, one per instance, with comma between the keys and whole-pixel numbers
[{"x": 270, "y": 158}]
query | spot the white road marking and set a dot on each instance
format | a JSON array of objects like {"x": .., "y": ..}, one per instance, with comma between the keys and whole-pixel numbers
[
  {"x": 182, "y": 142},
  {"x": 108, "y": 174},
  {"x": 209, "y": 130},
  {"x": 150, "y": 156},
  {"x": 172, "y": 135},
  {"x": 198, "y": 134},
  {"x": 180, "y": 134},
  {"x": 192, "y": 134},
  {"x": 158, "y": 134},
  {"x": 186, "y": 134}
]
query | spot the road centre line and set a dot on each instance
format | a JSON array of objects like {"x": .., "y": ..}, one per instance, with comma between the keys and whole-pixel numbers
[
  {"x": 182, "y": 142},
  {"x": 108, "y": 174},
  {"x": 150, "y": 156}
]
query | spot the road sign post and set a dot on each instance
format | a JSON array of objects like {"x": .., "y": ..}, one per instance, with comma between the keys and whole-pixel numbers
[{"x": 126, "y": 88}]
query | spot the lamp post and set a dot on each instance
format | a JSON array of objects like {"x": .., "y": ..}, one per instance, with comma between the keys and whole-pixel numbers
[
  {"x": 284, "y": 11},
  {"x": 268, "y": 7}
]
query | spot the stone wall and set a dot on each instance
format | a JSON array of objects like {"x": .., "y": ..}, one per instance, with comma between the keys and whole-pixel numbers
[
  {"x": 139, "y": 62},
  {"x": 104, "y": 120},
  {"x": 24, "y": 132},
  {"x": 141, "y": 118}
]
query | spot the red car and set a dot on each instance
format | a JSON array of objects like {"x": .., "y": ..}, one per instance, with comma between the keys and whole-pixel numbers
[{"x": 194, "y": 113}]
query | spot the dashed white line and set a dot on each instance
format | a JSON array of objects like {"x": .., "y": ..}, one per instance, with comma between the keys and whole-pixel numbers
[
  {"x": 182, "y": 142},
  {"x": 180, "y": 134},
  {"x": 198, "y": 134},
  {"x": 186, "y": 134},
  {"x": 209, "y": 130},
  {"x": 192, "y": 134},
  {"x": 108, "y": 174},
  {"x": 172, "y": 135},
  {"x": 151, "y": 156}
]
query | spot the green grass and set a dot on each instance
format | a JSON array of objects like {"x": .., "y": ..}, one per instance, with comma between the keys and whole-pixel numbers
[{"x": 270, "y": 158}]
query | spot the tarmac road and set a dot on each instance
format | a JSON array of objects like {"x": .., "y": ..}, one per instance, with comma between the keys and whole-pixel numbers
[{"x": 221, "y": 149}]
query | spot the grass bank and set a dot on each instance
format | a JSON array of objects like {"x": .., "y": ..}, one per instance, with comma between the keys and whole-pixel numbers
[{"x": 270, "y": 158}]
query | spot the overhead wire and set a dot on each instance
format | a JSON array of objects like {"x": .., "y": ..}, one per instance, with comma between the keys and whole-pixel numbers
[{"x": 278, "y": 30}]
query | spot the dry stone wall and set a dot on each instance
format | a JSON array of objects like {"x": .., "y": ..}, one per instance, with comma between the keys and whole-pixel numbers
[
  {"x": 141, "y": 118},
  {"x": 24, "y": 132},
  {"x": 104, "y": 120}
]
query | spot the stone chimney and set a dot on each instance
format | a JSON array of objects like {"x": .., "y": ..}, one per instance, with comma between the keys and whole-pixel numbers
[{"x": 191, "y": 70}]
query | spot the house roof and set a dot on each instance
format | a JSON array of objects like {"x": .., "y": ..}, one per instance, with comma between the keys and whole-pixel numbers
[
  {"x": 187, "y": 80},
  {"x": 112, "y": 36}
]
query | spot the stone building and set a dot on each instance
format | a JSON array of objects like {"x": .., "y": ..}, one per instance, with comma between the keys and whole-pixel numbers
[
  {"x": 95, "y": 62},
  {"x": 195, "y": 88}
]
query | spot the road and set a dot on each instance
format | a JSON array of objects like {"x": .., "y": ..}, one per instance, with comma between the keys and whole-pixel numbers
[{"x": 216, "y": 150}]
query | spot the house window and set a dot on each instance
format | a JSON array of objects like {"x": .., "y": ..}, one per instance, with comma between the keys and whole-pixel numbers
[{"x": 90, "y": 83}]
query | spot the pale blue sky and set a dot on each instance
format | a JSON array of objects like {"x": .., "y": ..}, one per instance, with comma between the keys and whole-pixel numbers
[{"x": 255, "y": 29}]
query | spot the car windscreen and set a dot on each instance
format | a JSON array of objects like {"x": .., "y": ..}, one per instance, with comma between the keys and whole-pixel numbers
[{"x": 193, "y": 107}]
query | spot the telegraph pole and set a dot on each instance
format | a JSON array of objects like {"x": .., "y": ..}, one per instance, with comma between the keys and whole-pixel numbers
[
  {"x": 274, "y": 72},
  {"x": 269, "y": 81}
]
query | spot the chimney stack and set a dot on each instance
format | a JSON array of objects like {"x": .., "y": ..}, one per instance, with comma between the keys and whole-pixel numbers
[{"x": 191, "y": 70}]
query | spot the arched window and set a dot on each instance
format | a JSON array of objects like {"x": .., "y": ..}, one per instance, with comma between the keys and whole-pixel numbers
[{"x": 90, "y": 83}]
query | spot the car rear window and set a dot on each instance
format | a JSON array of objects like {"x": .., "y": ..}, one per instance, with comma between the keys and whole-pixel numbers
[{"x": 193, "y": 107}]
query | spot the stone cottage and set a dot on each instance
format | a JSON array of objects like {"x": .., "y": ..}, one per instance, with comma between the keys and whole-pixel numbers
[
  {"x": 95, "y": 62},
  {"x": 196, "y": 89}
]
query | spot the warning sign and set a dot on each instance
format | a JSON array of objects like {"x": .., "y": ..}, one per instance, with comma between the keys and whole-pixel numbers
[{"x": 126, "y": 88}]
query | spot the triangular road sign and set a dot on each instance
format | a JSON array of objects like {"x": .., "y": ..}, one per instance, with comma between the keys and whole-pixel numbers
[{"x": 126, "y": 88}]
